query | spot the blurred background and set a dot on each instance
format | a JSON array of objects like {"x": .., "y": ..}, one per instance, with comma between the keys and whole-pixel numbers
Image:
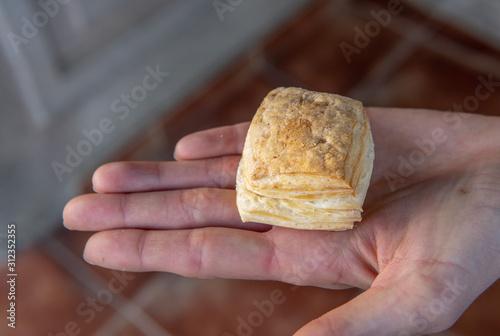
[{"x": 88, "y": 82}]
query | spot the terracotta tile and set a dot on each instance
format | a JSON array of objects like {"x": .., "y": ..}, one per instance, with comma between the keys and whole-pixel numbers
[
  {"x": 465, "y": 39},
  {"x": 220, "y": 306},
  {"x": 409, "y": 11},
  {"x": 75, "y": 241},
  {"x": 305, "y": 51},
  {"x": 242, "y": 105},
  {"x": 234, "y": 99},
  {"x": 130, "y": 330},
  {"x": 456, "y": 32},
  {"x": 429, "y": 81},
  {"x": 49, "y": 300},
  {"x": 483, "y": 315},
  {"x": 132, "y": 318},
  {"x": 311, "y": 52}
]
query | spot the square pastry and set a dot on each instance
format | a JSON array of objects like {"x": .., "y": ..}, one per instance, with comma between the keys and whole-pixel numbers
[{"x": 306, "y": 162}]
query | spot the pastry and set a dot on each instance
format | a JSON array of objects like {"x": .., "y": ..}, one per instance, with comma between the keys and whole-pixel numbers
[{"x": 306, "y": 162}]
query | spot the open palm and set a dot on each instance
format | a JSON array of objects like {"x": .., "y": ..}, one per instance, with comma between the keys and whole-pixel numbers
[{"x": 428, "y": 245}]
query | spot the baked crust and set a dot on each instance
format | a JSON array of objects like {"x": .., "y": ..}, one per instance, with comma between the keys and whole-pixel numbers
[{"x": 306, "y": 162}]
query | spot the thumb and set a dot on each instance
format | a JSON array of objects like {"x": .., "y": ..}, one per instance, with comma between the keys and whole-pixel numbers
[{"x": 410, "y": 305}]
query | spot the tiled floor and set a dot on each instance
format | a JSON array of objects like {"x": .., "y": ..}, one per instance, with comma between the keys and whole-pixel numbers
[{"x": 435, "y": 68}]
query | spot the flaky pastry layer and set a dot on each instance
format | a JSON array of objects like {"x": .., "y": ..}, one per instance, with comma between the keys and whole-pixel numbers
[{"x": 306, "y": 162}]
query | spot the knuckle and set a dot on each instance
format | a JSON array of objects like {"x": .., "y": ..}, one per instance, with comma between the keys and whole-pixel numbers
[
  {"x": 194, "y": 202},
  {"x": 212, "y": 169},
  {"x": 185, "y": 204},
  {"x": 124, "y": 208},
  {"x": 142, "y": 252},
  {"x": 219, "y": 171},
  {"x": 225, "y": 178},
  {"x": 157, "y": 172},
  {"x": 197, "y": 244}
]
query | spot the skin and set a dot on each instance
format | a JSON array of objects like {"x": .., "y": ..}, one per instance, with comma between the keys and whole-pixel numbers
[{"x": 428, "y": 245}]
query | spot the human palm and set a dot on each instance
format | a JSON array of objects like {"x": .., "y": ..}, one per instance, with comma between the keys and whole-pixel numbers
[{"x": 428, "y": 245}]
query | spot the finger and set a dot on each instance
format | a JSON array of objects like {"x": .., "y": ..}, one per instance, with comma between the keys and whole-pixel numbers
[
  {"x": 205, "y": 253},
  {"x": 227, "y": 140},
  {"x": 277, "y": 254},
  {"x": 118, "y": 177},
  {"x": 178, "y": 209},
  {"x": 408, "y": 304}
]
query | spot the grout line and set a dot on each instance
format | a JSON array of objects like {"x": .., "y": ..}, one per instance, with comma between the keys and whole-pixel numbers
[
  {"x": 446, "y": 47},
  {"x": 454, "y": 51},
  {"x": 393, "y": 61},
  {"x": 418, "y": 35},
  {"x": 92, "y": 281},
  {"x": 145, "y": 296},
  {"x": 424, "y": 35},
  {"x": 478, "y": 18},
  {"x": 269, "y": 70}
]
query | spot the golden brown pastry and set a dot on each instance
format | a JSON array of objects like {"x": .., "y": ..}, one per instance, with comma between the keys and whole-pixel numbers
[{"x": 307, "y": 161}]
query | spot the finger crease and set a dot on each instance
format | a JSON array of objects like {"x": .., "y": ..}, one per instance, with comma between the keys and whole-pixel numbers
[
  {"x": 221, "y": 172},
  {"x": 196, "y": 242},
  {"x": 141, "y": 246},
  {"x": 158, "y": 175},
  {"x": 123, "y": 208},
  {"x": 272, "y": 264},
  {"x": 211, "y": 173},
  {"x": 186, "y": 206}
]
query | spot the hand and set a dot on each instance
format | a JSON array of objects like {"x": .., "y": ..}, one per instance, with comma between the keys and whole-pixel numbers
[{"x": 428, "y": 245}]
